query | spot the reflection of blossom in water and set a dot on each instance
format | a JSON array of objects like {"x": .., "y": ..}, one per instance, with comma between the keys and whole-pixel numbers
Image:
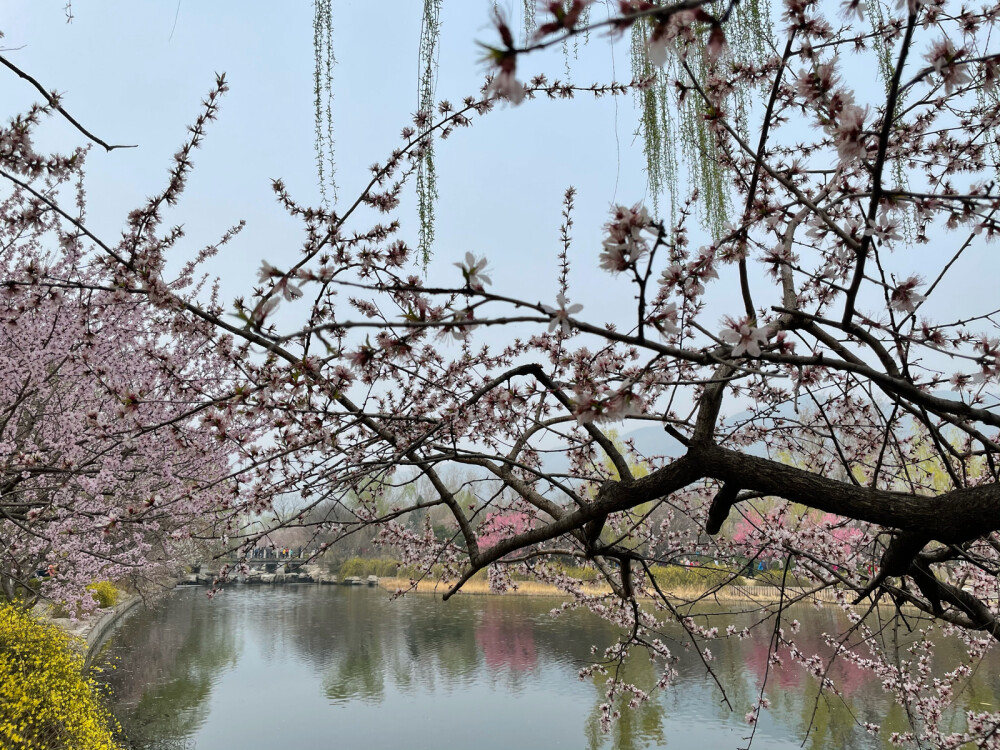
[
  {"x": 506, "y": 642},
  {"x": 756, "y": 653},
  {"x": 849, "y": 677}
]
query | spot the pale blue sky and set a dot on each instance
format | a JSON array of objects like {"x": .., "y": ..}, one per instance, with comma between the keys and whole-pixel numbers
[
  {"x": 135, "y": 72},
  {"x": 131, "y": 76}
]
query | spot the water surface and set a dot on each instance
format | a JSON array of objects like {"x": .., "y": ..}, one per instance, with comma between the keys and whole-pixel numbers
[{"x": 266, "y": 668}]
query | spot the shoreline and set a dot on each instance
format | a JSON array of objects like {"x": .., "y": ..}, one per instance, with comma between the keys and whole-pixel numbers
[
  {"x": 102, "y": 627},
  {"x": 481, "y": 588},
  {"x": 729, "y": 594},
  {"x": 90, "y": 633}
]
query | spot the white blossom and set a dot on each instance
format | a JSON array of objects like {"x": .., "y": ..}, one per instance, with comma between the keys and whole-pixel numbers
[
  {"x": 560, "y": 315},
  {"x": 473, "y": 272},
  {"x": 745, "y": 338}
]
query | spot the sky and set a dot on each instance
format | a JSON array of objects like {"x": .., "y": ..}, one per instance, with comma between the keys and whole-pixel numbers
[{"x": 135, "y": 73}]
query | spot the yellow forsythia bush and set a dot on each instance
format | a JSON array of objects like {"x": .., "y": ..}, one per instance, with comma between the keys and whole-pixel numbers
[
  {"x": 105, "y": 593},
  {"x": 46, "y": 702}
]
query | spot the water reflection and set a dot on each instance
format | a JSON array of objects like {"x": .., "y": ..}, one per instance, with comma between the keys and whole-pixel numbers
[
  {"x": 507, "y": 642},
  {"x": 162, "y": 675},
  {"x": 358, "y": 673},
  {"x": 306, "y": 666}
]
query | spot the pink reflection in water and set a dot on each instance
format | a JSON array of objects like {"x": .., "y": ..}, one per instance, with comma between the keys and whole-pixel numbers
[{"x": 506, "y": 641}]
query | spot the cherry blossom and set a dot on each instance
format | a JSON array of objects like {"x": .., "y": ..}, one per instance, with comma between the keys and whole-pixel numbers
[
  {"x": 561, "y": 313},
  {"x": 504, "y": 60},
  {"x": 111, "y": 464},
  {"x": 848, "y": 131},
  {"x": 666, "y": 320},
  {"x": 904, "y": 298},
  {"x": 943, "y": 58},
  {"x": 745, "y": 338},
  {"x": 287, "y": 290},
  {"x": 564, "y": 18},
  {"x": 624, "y": 244},
  {"x": 473, "y": 272}
]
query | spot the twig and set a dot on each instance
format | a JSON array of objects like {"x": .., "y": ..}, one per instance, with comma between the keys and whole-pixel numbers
[{"x": 54, "y": 103}]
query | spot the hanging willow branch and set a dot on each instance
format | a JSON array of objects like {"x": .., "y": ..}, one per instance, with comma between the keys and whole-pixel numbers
[
  {"x": 427, "y": 193},
  {"x": 673, "y": 126},
  {"x": 324, "y": 60}
]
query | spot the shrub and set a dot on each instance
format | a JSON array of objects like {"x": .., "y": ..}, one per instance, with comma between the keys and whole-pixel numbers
[
  {"x": 696, "y": 576},
  {"x": 364, "y": 567},
  {"x": 46, "y": 702},
  {"x": 105, "y": 593},
  {"x": 580, "y": 573}
]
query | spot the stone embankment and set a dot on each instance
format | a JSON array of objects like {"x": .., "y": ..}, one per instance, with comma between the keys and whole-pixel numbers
[{"x": 90, "y": 631}]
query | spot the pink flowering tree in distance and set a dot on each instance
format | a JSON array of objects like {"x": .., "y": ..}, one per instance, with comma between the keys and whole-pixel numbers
[
  {"x": 829, "y": 402},
  {"x": 118, "y": 427}
]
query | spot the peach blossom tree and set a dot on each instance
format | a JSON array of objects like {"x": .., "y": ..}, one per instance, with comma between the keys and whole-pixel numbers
[{"x": 812, "y": 363}]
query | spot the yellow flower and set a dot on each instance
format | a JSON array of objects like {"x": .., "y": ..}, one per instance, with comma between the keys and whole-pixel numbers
[{"x": 46, "y": 701}]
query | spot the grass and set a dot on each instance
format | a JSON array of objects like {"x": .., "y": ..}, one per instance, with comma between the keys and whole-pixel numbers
[{"x": 680, "y": 583}]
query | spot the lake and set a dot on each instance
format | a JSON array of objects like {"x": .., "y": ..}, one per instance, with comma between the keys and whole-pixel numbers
[{"x": 301, "y": 667}]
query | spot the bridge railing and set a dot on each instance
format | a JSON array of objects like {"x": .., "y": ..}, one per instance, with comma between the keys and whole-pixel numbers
[{"x": 768, "y": 593}]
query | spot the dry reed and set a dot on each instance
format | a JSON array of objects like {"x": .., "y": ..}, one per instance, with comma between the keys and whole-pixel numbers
[
  {"x": 534, "y": 588},
  {"x": 524, "y": 588}
]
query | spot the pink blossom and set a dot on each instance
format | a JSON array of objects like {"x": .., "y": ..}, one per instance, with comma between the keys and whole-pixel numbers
[
  {"x": 501, "y": 525},
  {"x": 564, "y": 18},
  {"x": 885, "y": 230},
  {"x": 504, "y": 60},
  {"x": 744, "y": 338},
  {"x": 960, "y": 381},
  {"x": 462, "y": 324},
  {"x": 717, "y": 43},
  {"x": 560, "y": 314},
  {"x": 288, "y": 290},
  {"x": 904, "y": 298},
  {"x": 656, "y": 46},
  {"x": 853, "y": 9},
  {"x": 666, "y": 320},
  {"x": 506, "y": 86},
  {"x": 624, "y": 244},
  {"x": 946, "y": 61},
  {"x": 614, "y": 408},
  {"x": 848, "y": 132}
]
